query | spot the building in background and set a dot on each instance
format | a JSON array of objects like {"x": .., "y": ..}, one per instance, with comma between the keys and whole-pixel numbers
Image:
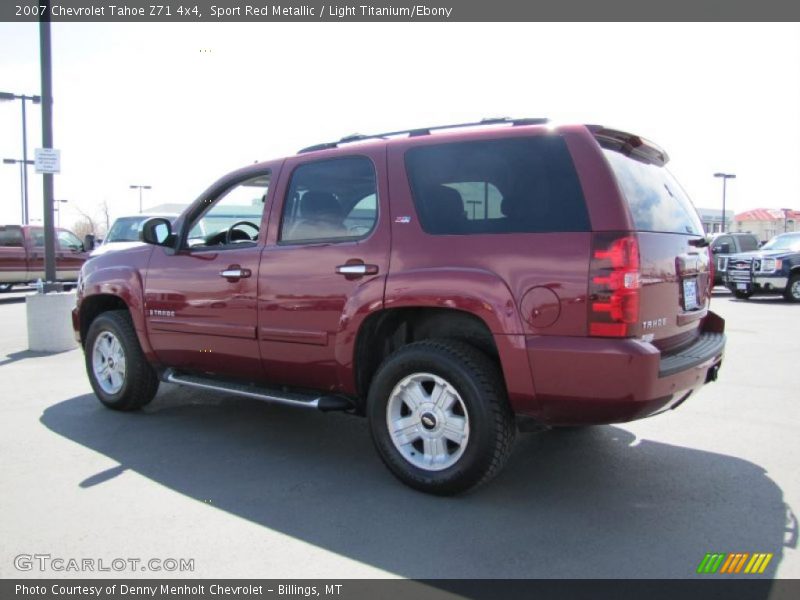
[
  {"x": 766, "y": 223},
  {"x": 712, "y": 219}
]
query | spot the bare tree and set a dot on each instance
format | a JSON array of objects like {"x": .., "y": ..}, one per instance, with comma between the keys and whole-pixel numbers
[
  {"x": 105, "y": 214},
  {"x": 86, "y": 223},
  {"x": 82, "y": 227}
]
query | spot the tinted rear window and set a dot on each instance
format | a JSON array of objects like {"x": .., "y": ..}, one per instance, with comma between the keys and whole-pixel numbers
[
  {"x": 656, "y": 199},
  {"x": 10, "y": 236},
  {"x": 499, "y": 186}
]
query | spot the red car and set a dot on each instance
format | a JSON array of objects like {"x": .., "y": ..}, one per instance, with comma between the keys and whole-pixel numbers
[
  {"x": 22, "y": 255},
  {"x": 451, "y": 284}
]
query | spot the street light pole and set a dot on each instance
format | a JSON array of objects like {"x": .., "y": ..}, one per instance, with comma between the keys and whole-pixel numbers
[
  {"x": 5, "y": 96},
  {"x": 58, "y": 209},
  {"x": 725, "y": 177},
  {"x": 45, "y": 60},
  {"x": 22, "y": 191},
  {"x": 140, "y": 188}
]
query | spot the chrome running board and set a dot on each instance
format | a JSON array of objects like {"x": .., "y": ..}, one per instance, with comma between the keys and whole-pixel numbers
[{"x": 265, "y": 394}]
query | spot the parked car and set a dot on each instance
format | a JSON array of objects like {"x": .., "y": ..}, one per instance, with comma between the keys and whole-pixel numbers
[
  {"x": 22, "y": 255},
  {"x": 125, "y": 231},
  {"x": 450, "y": 284},
  {"x": 774, "y": 269},
  {"x": 725, "y": 244}
]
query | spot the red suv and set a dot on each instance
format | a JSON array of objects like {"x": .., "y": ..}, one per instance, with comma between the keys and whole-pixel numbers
[{"x": 452, "y": 284}]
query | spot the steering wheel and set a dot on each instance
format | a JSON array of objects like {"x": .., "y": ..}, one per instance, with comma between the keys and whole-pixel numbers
[{"x": 229, "y": 233}]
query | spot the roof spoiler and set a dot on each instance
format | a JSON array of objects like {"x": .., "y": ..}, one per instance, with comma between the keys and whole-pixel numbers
[{"x": 629, "y": 145}]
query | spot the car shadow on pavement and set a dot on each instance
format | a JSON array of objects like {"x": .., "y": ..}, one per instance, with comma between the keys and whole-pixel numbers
[
  {"x": 592, "y": 503},
  {"x": 772, "y": 300},
  {"x": 24, "y": 354}
]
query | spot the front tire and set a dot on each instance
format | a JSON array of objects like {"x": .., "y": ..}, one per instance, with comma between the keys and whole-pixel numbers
[
  {"x": 740, "y": 295},
  {"x": 119, "y": 373},
  {"x": 439, "y": 417},
  {"x": 792, "y": 292}
]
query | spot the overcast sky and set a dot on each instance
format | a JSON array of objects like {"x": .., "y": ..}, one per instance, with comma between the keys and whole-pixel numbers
[{"x": 177, "y": 106}]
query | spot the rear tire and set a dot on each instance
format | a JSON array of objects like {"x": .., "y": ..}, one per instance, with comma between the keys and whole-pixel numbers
[
  {"x": 792, "y": 291},
  {"x": 740, "y": 295},
  {"x": 119, "y": 373},
  {"x": 439, "y": 417},
  {"x": 6, "y": 287}
]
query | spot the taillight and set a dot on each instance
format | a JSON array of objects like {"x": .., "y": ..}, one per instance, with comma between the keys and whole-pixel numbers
[{"x": 614, "y": 285}]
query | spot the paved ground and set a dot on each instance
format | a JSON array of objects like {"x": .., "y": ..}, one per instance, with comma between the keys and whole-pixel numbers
[{"x": 252, "y": 490}]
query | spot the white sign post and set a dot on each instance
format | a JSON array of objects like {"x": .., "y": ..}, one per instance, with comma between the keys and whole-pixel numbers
[{"x": 47, "y": 160}]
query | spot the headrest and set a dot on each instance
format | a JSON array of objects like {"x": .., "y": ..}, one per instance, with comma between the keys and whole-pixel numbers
[{"x": 319, "y": 204}]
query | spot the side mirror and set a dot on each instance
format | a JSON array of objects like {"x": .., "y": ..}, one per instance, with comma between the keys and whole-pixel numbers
[
  {"x": 156, "y": 231},
  {"x": 724, "y": 249},
  {"x": 88, "y": 242}
]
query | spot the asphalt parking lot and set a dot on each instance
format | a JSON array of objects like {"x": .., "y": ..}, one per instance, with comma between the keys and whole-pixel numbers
[{"x": 252, "y": 490}]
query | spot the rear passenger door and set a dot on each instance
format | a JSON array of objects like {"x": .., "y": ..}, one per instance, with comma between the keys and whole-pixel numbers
[{"x": 324, "y": 265}]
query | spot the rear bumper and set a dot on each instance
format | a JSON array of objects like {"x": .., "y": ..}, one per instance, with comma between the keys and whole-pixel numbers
[{"x": 597, "y": 380}]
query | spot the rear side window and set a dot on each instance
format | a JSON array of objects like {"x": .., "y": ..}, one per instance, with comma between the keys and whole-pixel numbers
[
  {"x": 656, "y": 200},
  {"x": 514, "y": 185},
  {"x": 10, "y": 237}
]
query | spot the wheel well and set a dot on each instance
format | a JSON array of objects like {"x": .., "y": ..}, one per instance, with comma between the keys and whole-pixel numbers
[
  {"x": 93, "y": 306},
  {"x": 386, "y": 331}
]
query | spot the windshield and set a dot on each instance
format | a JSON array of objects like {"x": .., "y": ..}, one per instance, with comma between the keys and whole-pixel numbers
[
  {"x": 784, "y": 242},
  {"x": 126, "y": 229}
]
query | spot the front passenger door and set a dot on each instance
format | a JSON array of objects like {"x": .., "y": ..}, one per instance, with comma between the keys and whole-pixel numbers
[{"x": 200, "y": 300}]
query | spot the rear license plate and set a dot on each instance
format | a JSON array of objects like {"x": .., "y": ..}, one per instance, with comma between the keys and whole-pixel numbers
[
  {"x": 741, "y": 286},
  {"x": 690, "y": 294}
]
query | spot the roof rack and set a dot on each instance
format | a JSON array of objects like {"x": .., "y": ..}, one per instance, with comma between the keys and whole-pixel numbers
[{"x": 357, "y": 137}]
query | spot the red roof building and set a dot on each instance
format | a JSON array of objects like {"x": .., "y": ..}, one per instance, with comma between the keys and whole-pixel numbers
[{"x": 768, "y": 222}]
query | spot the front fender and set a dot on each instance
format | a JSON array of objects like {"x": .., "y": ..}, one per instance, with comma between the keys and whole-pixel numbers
[{"x": 104, "y": 275}]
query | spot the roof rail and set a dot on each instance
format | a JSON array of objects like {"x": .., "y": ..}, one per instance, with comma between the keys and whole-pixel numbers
[{"x": 357, "y": 137}]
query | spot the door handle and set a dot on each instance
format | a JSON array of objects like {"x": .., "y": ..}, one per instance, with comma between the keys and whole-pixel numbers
[
  {"x": 357, "y": 270},
  {"x": 235, "y": 272}
]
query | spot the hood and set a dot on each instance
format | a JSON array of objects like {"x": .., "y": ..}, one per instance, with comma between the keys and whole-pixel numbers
[
  {"x": 113, "y": 247},
  {"x": 760, "y": 254}
]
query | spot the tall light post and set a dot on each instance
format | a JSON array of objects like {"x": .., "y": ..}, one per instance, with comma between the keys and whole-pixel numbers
[
  {"x": 58, "y": 209},
  {"x": 8, "y": 96},
  {"x": 23, "y": 202},
  {"x": 140, "y": 188},
  {"x": 725, "y": 177}
]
